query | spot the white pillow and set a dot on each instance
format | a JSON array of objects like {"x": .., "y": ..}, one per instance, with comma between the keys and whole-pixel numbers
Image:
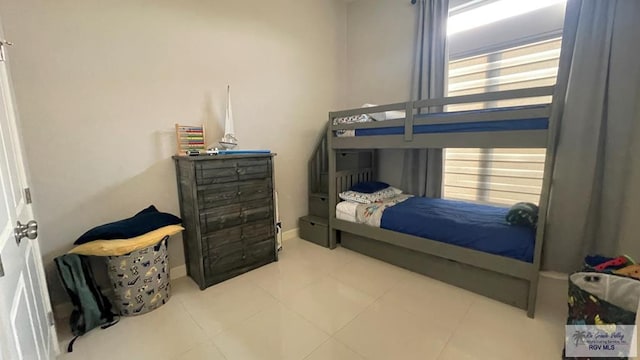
[
  {"x": 364, "y": 198},
  {"x": 386, "y": 115}
]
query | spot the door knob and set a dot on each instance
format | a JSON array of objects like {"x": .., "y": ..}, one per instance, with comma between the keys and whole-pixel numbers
[{"x": 28, "y": 230}]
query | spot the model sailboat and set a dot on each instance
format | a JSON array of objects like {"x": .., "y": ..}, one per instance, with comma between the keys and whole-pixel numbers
[{"x": 229, "y": 140}]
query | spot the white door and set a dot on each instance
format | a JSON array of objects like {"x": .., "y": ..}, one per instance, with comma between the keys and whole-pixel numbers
[{"x": 25, "y": 330}]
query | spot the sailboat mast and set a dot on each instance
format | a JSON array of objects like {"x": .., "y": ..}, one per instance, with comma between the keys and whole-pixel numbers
[{"x": 228, "y": 120}]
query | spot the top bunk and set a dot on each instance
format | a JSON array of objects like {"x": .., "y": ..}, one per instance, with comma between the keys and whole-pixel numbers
[{"x": 423, "y": 124}]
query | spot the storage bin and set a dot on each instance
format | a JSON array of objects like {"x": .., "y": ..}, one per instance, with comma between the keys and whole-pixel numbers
[
  {"x": 600, "y": 299},
  {"x": 140, "y": 279},
  {"x": 314, "y": 229}
]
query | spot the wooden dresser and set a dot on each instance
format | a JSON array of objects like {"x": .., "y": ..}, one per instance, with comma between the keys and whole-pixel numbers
[{"x": 227, "y": 209}]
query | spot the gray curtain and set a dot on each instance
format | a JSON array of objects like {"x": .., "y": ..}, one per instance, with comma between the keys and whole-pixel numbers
[
  {"x": 422, "y": 168},
  {"x": 595, "y": 191}
]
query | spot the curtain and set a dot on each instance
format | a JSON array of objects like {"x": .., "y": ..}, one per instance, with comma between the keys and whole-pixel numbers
[
  {"x": 595, "y": 193},
  {"x": 422, "y": 168}
]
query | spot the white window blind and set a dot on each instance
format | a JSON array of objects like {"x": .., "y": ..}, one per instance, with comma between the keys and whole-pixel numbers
[{"x": 499, "y": 176}]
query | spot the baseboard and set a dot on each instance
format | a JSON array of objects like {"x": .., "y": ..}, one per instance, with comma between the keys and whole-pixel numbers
[
  {"x": 62, "y": 311},
  {"x": 290, "y": 234},
  {"x": 178, "y": 271},
  {"x": 554, "y": 275}
]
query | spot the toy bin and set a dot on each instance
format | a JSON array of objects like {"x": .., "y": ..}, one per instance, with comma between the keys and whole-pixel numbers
[{"x": 140, "y": 279}]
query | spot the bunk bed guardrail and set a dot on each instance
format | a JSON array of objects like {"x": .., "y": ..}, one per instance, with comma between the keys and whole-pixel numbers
[{"x": 417, "y": 114}]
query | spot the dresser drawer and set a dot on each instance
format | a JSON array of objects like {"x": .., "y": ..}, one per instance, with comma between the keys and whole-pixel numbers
[
  {"x": 216, "y": 172},
  {"x": 257, "y": 213},
  {"x": 255, "y": 189},
  {"x": 222, "y": 237},
  {"x": 220, "y": 218},
  {"x": 257, "y": 231},
  {"x": 216, "y": 195},
  {"x": 260, "y": 251},
  {"x": 221, "y": 163},
  {"x": 237, "y": 255},
  {"x": 235, "y": 214},
  {"x": 224, "y": 258},
  {"x": 247, "y": 233},
  {"x": 223, "y": 171},
  {"x": 253, "y": 172}
]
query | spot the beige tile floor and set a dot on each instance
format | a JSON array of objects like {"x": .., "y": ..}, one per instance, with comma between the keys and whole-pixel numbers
[{"x": 320, "y": 304}]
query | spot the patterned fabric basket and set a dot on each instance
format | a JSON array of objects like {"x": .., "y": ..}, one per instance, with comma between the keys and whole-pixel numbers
[
  {"x": 600, "y": 298},
  {"x": 140, "y": 279}
]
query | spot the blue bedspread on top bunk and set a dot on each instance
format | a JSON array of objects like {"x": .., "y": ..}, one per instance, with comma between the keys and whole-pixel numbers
[
  {"x": 477, "y": 126},
  {"x": 474, "y": 226}
]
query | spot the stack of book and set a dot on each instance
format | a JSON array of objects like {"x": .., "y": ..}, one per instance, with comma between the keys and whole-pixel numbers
[{"x": 189, "y": 138}]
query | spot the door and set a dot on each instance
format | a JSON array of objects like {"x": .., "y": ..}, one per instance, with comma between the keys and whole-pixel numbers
[{"x": 25, "y": 329}]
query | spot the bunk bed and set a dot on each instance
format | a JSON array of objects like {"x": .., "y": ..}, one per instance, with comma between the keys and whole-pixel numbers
[{"x": 504, "y": 265}]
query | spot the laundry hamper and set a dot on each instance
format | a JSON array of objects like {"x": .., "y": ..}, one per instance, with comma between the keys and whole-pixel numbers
[
  {"x": 602, "y": 299},
  {"x": 140, "y": 279}
]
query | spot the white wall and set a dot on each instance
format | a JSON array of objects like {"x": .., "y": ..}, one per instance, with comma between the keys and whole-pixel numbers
[
  {"x": 381, "y": 38},
  {"x": 100, "y": 84}
]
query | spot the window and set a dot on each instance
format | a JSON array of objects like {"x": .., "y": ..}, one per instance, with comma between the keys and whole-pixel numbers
[
  {"x": 498, "y": 176},
  {"x": 471, "y": 14}
]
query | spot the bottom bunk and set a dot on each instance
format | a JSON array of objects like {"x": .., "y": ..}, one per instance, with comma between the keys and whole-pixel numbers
[{"x": 464, "y": 244}]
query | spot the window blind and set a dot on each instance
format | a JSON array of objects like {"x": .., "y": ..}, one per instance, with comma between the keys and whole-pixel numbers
[{"x": 499, "y": 176}]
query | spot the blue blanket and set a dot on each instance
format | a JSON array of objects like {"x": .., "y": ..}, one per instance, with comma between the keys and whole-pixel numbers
[{"x": 474, "y": 226}]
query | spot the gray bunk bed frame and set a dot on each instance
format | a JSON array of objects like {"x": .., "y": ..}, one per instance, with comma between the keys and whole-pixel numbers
[{"x": 508, "y": 280}]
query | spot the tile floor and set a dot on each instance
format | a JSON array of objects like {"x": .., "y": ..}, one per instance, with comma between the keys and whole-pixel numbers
[{"x": 319, "y": 304}]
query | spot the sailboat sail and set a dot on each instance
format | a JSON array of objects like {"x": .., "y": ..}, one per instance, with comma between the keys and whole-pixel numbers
[
  {"x": 229, "y": 140},
  {"x": 228, "y": 120}
]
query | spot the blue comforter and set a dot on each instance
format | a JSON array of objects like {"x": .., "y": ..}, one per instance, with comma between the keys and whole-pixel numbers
[{"x": 474, "y": 226}]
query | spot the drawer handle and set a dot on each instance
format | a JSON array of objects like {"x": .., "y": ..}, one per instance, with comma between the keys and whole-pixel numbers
[
  {"x": 239, "y": 193},
  {"x": 312, "y": 224}
]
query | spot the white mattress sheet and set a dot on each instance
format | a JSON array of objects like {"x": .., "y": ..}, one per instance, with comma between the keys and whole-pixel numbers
[{"x": 346, "y": 210}]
